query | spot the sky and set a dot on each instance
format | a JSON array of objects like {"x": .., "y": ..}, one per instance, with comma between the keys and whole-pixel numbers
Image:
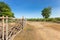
[{"x": 33, "y": 8}]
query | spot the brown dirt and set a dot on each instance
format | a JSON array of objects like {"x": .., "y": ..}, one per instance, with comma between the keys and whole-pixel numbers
[{"x": 40, "y": 31}]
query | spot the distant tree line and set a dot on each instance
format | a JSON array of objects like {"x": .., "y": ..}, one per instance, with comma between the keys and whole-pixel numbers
[{"x": 46, "y": 12}]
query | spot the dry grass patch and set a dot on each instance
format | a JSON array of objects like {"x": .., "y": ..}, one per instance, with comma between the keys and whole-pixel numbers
[
  {"x": 30, "y": 33},
  {"x": 27, "y": 34},
  {"x": 55, "y": 26}
]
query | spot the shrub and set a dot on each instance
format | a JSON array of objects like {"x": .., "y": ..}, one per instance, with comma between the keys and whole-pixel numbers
[{"x": 45, "y": 19}]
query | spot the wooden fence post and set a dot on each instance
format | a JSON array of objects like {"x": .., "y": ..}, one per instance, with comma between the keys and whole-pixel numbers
[
  {"x": 6, "y": 27},
  {"x": 22, "y": 22},
  {"x": 3, "y": 27}
]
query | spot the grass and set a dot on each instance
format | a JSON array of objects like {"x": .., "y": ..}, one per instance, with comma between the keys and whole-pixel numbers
[
  {"x": 55, "y": 26},
  {"x": 57, "y": 20},
  {"x": 29, "y": 32}
]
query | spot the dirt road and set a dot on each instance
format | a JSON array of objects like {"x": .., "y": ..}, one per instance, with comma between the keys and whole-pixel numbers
[{"x": 45, "y": 33}]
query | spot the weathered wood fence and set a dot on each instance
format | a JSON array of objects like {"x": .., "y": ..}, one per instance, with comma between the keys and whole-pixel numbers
[{"x": 5, "y": 32}]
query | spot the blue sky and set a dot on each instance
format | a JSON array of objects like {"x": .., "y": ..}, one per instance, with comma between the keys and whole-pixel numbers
[{"x": 33, "y": 8}]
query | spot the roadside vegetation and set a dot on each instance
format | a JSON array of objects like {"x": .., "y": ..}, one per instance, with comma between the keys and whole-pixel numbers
[
  {"x": 5, "y": 10},
  {"x": 46, "y": 12},
  {"x": 45, "y": 20}
]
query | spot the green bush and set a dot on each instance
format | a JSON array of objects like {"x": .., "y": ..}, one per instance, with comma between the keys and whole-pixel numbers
[{"x": 45, "y": 19}]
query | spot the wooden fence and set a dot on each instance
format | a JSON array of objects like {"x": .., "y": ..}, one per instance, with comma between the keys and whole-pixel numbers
[{"x": 7, "y": 34}]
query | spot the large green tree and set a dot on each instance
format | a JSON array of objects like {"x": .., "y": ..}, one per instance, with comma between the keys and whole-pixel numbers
[
  {"x": 5, "y": 10},
  {"x": 46, "y": 12}
]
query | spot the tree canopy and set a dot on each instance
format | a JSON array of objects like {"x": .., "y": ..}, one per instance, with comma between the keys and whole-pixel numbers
[
  {"x": 5, "y": 10},
  {"x": 46, "y": 12}
]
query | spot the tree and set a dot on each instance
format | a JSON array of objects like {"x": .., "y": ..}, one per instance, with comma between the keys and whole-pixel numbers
[
  {"x": 46, "y": 12},
  {"x": 5, "y": 10}
]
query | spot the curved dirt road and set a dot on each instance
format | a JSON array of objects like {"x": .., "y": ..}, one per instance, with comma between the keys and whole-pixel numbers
[{"x": 45, "y": 33}]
